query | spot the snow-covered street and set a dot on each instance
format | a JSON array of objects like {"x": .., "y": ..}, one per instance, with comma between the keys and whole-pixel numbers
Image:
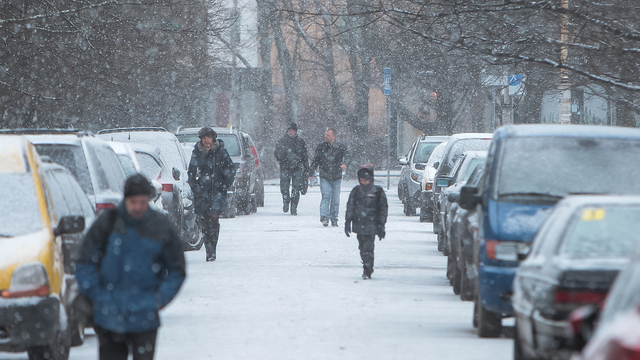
[{"x": 285, "y": 287}]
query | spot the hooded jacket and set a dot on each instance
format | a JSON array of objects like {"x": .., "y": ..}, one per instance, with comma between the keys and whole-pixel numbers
[
  {"x": 367, "y": 206},
  {"x": 210, "y": 173},
  {"x": 130, "y": 268}
]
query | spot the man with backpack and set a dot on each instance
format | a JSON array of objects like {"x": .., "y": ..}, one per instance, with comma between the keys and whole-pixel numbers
[{"x": 130, "y": 266}]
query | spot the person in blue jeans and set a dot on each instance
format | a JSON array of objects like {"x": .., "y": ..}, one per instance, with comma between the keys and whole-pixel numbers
[{"x": 331, "y": 158}]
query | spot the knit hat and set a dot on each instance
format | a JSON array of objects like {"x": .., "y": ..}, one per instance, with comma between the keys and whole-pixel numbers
[
  {"x": 366, "y": 172},
  {"x": 293, "y": 126},
  {"x": 207, "y": 132},
  {"x": 137, "y": 184}
]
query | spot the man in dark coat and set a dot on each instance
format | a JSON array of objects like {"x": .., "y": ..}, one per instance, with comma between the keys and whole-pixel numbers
[
  {"x": 291, "y": 154},
  {"x": 129, "y": 266},
  {"x": 332, "y": 158},
  {"x": 366, "y": 216},
  {"x": 211, "y": 172}
]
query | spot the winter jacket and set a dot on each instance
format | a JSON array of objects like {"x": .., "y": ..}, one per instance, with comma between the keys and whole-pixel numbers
[
  {"x": 210, "y": 173},
  {"x": 291, "y": 153},
  {"x": 367, "y": 208},
  {"x": 130, "y": 268},
  {"x": 329, "y": 158}
]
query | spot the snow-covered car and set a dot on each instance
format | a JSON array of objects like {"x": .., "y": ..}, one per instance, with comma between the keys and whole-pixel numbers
[
  {"x": 248, "y": 187},
  {"x": 413, "y": 166},
  {"x": 456, "y": 146},
  {"x": 174, "y": 157},
  {"x": 91, "y": 161},
  {"x": 37, "y": 285},
  {"x": 129, "y": 162},
  {"x": 575, "y": 257},
  {"x": 429, "y": 172},
  {"x": 617, "y": 335}
]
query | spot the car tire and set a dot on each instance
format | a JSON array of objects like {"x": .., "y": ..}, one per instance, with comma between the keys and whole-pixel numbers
[
  {"x": 58, "y": 349},
  {"x": 440, "y": 242},
  {"x": 456, "y": 277},
  {"x": 466, "y": 286},
  {"x": 195, "y": 239},
  {"x": 260, "y": 195},
  {"x": 232, "y": 209},
  {"x": 517, "y": 344},
  {"x": 489, "y": 323},
  {"x": 405, "y": 209},
  {"x": 426, "y": 215},
  {"x": 450, "y": 270}
]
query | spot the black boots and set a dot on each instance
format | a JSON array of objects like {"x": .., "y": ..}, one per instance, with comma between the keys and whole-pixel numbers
[
  {"x": 294, "y": 209},
  {"x": 368, "y": 270},
  {"x": 211, "y": 241},
  {"x": 324, "y": 220},
  {"x": 285, "y": 203}
]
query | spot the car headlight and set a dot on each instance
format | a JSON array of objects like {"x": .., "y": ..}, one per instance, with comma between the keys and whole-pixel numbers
[{"x": 28, "y": 280}]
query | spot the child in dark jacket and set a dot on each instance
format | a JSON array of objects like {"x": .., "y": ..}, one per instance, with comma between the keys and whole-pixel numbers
[{"x": 366, "y": 216}]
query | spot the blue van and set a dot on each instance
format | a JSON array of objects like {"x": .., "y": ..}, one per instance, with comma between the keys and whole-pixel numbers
[{"x": 529, "y": 169}]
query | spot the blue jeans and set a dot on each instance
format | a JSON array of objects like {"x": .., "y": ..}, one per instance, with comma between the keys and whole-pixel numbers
[{"x": 330, "y": 203}]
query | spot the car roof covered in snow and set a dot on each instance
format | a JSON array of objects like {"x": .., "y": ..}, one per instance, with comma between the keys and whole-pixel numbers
[
  {"x": 13, "y": 157},
  {"x": 542, "y": 130}
]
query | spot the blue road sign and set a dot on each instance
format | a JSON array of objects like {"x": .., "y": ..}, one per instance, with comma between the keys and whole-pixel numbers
[
  {"x": 386, "y": 88},
  {"x": 515, "y": 80}
]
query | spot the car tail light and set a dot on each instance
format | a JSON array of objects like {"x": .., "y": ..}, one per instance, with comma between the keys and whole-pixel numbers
[
  {"x": 579, "y": 297},
  {"x": 627, "y": 353},
  {"x": 167, "y": 187},
  {"x": 255, "y": 156},
  {"x": 103, "y": 206},
  {"x": 428, "y": 186},
  {"x": 506, "y": 250}
]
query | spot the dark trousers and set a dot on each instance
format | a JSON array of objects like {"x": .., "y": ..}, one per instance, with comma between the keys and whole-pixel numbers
[
  {"x": 293, "y": 178},
  {"x": 117, "y": 346},
  {"x": 210, "y": 225},
  {"x": 366, "y": 247}
]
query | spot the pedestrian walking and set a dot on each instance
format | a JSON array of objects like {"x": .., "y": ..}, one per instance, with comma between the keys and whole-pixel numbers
[
  {"x": 129, "y": 266},
  {"x": 331, "y": 158},
  {"x": 366, "y": 216},
  {"x": 211, "y": 172},
  {"x": 291, "y": 153}
]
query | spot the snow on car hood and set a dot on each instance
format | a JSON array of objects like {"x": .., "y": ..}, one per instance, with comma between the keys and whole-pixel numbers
[
  {"x": 22, "y": 249},
  {"x": 518, "y": 222}
]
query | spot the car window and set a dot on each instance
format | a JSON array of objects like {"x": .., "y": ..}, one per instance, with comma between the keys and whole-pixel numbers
[
  {"x": 230, "y": 143},
  {"x": 73, "y": 204},
  {"x": 25, "y": 218},
  {"x": 87, "y": 209},
  {"x": 72, "y": 157},
  {"x": 471, "y": 165},
  {"x": 59, "y": 203},
  {"x": 188, "y": 138},
  {"x": 458, "y": 148},
  {"x": 436, "y": 154},
  {"x": 127, "y": 164},
  {"x": 149, "y": 166},
  {"x": 113, "y": 170},
  {"x": 98, "y": 176},
  {"x": 603, "y": 231},
  {"x": 563, "y": 165},
  {"x": 423, "y": 151}
]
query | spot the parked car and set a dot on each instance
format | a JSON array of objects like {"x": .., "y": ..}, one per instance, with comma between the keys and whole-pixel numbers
[
  {"x": 462, "y": 234},
  {"x": 153, "y": 166},
  {"x": 414, "y": 164},
  {"x": 529, "y": 169},
  {"x": 36, "y": 288},
  {"x": 426, "y": 185},
  {"x": 248, "y": 188},
  {"x": 91, "y": 161},
  {"x": 617, "y": 335},
  {"x": 175, "y": 158},
  {"x": 575, "y": 257},
  {"x": 129, "y": 162}
]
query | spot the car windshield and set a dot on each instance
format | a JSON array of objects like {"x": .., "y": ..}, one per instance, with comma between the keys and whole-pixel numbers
[
  {"x": 605, "y": 231},
  {"x": 559, "y": 166},
  {"x": 230, "y": 143},
  {"x": 18, "y": 189},
  {"x": 459, "y": 147},
  {"x": 188, "y": 138},
  {"x": 436, "y": 154},
  {"x": 423, "y": 151},
  {"x": 72, "y": 157}
]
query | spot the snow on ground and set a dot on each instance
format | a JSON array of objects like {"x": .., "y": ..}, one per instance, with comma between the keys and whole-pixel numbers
[{"x": 284, "y": 287}]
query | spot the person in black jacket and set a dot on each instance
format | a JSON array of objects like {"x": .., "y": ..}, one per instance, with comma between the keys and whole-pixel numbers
[
  {"x": 130, "y": 265},
  {"x": 211, "y": 172},
  {"x": 332, "y": 158},
  {"x": 366, "y": 216},
  {"x": 291, "y": 154}
]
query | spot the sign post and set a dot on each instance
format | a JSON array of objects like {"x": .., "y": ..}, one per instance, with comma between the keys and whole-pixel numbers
[{"x": 387, "y": 93}]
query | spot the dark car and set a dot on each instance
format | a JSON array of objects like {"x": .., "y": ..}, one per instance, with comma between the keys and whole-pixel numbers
[
  {"x": 414, "y": 164},
  {"x": 617, "y": 335},
  {"x": 248, "y": 188},
  {"x": 575, "y": 257},
  {"x": 529, "y": 169}
]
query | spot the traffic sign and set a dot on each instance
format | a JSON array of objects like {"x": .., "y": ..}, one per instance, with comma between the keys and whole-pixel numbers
[{"x": 386, "y": 88}]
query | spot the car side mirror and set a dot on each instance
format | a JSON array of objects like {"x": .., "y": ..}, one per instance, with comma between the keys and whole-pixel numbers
[
  {"x": 436, "y": 164},
  {"x": 69, "y": 225},
  {"x": 453, "y": 197},
  {"x": 157, "y": 186},
  {"x": 402, "y": 160},
  {"x": 176, "y": 174},
  {"x": 469, "y": 197}
]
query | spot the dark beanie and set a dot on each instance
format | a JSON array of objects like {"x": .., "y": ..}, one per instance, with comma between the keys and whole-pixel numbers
[
  {"x": 293, "y": 126},
  {"x": 365, "y": 172},
  {"x": 207, "y": 132},
  {"x": 138, "y": 184}
]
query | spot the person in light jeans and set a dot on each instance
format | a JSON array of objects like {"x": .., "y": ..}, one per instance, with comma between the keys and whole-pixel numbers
[{"x": 331, "y": 158}]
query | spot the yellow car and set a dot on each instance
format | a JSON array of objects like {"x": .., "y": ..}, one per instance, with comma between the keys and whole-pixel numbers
[{"x": 35, "y": 310}]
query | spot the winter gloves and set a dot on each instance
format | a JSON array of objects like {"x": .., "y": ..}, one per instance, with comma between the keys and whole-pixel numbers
[
  {"x": 381, "y": 232},
  {"x": 347, "y": 228}
]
